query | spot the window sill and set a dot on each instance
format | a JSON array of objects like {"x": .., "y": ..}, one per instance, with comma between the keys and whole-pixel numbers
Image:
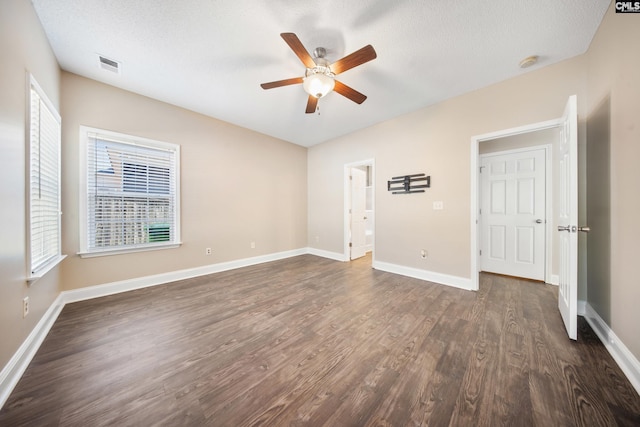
[
  {"x": 45, "y": 269},
  {"x": 121, "y": 251}
]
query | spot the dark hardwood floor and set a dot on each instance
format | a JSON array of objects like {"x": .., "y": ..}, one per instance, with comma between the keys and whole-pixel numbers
[{"x": 310, "y": 341}]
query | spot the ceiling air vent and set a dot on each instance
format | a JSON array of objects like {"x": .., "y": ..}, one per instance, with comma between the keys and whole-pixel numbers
[{"x": 109, "y": 64}]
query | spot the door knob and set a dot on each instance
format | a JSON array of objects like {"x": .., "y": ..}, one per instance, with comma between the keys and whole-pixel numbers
[
  {"x": 564, "y": 228},
  {"x": 539, "y": 221},
  {"x": 584, "y": 229}
]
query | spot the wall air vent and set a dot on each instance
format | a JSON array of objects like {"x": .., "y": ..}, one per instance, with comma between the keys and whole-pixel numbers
[{"x": 109, "y": 64}]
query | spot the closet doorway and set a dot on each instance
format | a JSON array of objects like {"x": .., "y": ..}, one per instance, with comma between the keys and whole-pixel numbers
[{"x": 513, "y": 211}]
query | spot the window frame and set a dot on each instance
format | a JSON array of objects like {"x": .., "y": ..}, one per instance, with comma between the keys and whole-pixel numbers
[
  {"x": 121, "y": 138},
  {"x": 35, "y": 272}
]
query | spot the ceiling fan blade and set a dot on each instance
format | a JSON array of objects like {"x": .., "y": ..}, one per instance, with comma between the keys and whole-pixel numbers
[
  {"x": 312, "y": 103},
  {"x": 348, "y": 92},
  {"x": 298, "y": 48},
  {"x": 279, "y": 83},
  {"x": 358, "y": 57}
]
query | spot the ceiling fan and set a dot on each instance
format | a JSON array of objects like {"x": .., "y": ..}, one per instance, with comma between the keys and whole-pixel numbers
[{"x": 319, "y": 78}]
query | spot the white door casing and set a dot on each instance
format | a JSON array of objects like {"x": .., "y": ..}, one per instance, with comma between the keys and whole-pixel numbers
[
  {"x": 567, "y": 217},
  {"x": 358, "y": 213},
  {"x": 513, "y": 213}
]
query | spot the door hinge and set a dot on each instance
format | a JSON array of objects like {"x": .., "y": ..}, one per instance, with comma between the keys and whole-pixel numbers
[
  {"x": 351, "y": 177},
  {"x": 480, "y": 252},
  {"x": 482, "y": 167},
  {"x": 350, "y": 244}
]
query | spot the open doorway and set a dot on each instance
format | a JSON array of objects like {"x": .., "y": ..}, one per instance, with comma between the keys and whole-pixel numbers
[
  {"x": 510, "y": 153},
  {"x": 359, "y": 218},
  {"x": 564, "y": 211}
]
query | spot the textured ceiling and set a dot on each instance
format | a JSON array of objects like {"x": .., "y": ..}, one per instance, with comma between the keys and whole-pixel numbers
[{"x": 210, "y": 56}]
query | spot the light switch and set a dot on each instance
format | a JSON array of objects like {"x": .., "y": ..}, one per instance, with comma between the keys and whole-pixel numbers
[{"x": 438, "y": 206}]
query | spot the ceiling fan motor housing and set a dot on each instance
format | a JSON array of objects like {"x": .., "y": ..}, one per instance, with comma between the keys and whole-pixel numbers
[{"x": 319, "y": 53}]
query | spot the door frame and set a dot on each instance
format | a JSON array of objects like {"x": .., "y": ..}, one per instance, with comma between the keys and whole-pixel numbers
[
  {"x": 474, "y": 202},
  {"x": 548, "y": 200},
  {"x": 347, "y": 205}
]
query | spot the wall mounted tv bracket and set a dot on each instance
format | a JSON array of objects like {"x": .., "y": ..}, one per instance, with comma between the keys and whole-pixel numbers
[{"x": 405, "y": 184}]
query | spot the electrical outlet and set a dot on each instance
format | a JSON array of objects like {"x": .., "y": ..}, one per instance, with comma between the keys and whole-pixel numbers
[
  {"x": 253, "y": 245},
  {"x": 25, "y": 306},
  {"x": 438, "y": 206},
  {"x": 207, "y": 251},
  {"x": 424, "y": 254}
]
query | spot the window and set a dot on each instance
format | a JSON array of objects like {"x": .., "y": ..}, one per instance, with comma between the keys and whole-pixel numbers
[
  {"x": 130, "y": 196},
  {"x": 44, "y": 184}
]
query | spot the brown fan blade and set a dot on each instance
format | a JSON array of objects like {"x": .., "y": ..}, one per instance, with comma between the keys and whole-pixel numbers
[
  {"x": 279, "y": 83},
  {"x": 348, "y": 92},
  {"x": 312, "y": 103},
  {"x": 298, "y": 48},
  {"x": 358, "y": 57}
]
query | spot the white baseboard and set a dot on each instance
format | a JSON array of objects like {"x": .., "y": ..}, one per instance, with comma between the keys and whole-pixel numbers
[
  {"x": 327, "y": 254},
  {"x": 620, "y": 353},
  {"x": 159, "y": 279},
  {"x": 554, "y": 280},
  {"x": 429, "y": 276},
  {"x": 13, "y": 370}
]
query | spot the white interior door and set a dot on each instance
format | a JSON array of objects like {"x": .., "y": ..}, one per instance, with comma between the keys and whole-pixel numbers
[
  {"x": 567, "y": 212},
  {"x": 358, "y": 213},
  {"x": 513, "y": 209}
]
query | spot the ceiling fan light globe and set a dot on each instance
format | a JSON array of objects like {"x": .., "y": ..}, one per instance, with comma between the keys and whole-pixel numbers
[{"x": 318, "y": 85}]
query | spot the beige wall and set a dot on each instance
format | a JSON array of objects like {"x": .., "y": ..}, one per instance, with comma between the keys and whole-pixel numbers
[
  {"x": 23, "y": 48},
  {"x": 613, "y": 152},
  {"x": 237, "y": 186},
  {"x": 434, "y": 140}
]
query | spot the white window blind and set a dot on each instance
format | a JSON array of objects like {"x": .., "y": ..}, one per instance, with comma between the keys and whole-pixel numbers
[
  {"x": 44, "y": 183},
  {"x": 131, "y": 193}
]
